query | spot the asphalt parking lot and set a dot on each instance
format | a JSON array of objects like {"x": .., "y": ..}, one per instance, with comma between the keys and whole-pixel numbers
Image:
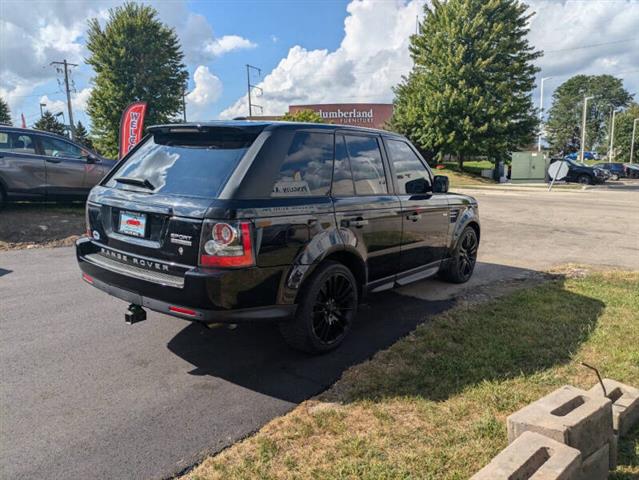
[{"x": 85, "y": 396}]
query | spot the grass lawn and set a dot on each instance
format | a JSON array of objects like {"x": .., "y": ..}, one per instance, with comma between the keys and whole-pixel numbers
[
  {"x": 434, "y": 404},
  {"x": 461, "y": 179}
]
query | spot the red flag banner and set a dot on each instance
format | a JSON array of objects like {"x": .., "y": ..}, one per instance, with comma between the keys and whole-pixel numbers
[
  {"x": 24, "y": 122},
  {"x": 131, "y": 126}
]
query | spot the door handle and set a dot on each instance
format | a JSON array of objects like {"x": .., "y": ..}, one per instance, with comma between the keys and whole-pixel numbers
[
  {"x": 414, "y": 217},
  {"x": 357, "y": 222},
  {"x": 52, "y": 160}
]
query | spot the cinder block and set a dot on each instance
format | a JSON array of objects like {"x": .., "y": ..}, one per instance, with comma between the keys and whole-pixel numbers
[
  {"x": 625, "y": 404},
  {"x": 614, "y": 446},
  {"x": 533, "y": 457},
  {"x": 595, "y": 466},
  {"x": 568, "y": 415}
]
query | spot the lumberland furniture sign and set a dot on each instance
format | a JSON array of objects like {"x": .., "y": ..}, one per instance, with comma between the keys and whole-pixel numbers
[{"x": 372, "y": 115}]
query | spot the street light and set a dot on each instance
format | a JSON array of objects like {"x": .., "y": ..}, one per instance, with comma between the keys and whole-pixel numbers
[
  {"x": 583, "y": 128},
  {"x": 541, "y": 111},
  {"x": 41, "y": 112},
  {"x": 632, "y": 142}
]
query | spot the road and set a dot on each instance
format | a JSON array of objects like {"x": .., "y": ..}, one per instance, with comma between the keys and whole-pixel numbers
[{"x": 85, "y": 396}]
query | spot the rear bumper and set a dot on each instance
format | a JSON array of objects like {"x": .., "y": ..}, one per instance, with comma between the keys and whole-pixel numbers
[{"x": 208, "y": 296}]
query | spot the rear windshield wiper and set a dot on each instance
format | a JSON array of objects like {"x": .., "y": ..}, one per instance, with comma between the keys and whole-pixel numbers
[{"x": 136, "y": 181}]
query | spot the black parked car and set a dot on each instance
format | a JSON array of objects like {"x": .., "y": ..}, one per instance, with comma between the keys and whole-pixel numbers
[
  {"x": 616, "y": 169},
  {"x": 38, "y": 165},
  {"x": 581, "y": 173},
  {"x": 232, "y": 221}
]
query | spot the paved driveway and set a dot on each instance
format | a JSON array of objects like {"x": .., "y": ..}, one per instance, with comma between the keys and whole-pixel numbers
[{"x": 85, "y": 396}]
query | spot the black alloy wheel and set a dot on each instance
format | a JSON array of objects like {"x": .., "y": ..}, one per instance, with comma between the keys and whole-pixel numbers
[
  {"x": 467, "y": 254},
  {"x": 333, "y": 308},
  {"x": 461, "y": 264},
  {"x": 326, "y": 308}
]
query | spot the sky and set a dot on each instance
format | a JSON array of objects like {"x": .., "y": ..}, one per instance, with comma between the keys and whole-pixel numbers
[{"x": 308, "y": 51}]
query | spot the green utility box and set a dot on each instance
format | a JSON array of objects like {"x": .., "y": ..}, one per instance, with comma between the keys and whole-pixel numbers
[{"x": 528, "y": 166}]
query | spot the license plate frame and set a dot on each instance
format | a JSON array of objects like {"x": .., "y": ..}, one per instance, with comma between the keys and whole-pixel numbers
[{"x": 132, "y": 224}]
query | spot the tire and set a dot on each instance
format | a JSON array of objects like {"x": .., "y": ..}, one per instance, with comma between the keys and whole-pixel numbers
[
  {"x": 584, "y": 179},
  {"x": 326, "y": 309},
  {"x": 461, "y": 265}
]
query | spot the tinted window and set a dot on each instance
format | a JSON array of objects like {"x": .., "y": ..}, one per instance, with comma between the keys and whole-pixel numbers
[
  {"x": 193, "y": 164},
  {"x": 16, "y": 142},
  {"x": 308, "y": 166},
  {"x": 412, "y": 176},
  {"x": 343, "y": 185},
  {"x": 54, "y": 147},
  {"x": 366, "y": 164}
]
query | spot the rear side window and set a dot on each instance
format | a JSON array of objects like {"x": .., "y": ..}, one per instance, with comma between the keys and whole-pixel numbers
[
  {"x": 366, "y": 164},
  {"x": 307, "y": 168},
  {"x": 17, "y": 143},
  {"x": 189, "y": 164}
]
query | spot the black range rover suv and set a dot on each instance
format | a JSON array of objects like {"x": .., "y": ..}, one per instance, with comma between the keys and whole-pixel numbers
[{"x": 233, "y": 221}]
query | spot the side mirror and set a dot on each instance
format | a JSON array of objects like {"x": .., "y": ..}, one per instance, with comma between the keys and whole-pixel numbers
[
  {"x": 92, "y": 158},
  {"x": 440, "y": 184}
]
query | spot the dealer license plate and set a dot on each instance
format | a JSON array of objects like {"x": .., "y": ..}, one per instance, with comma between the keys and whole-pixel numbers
[{"x": 133, "y": 224}]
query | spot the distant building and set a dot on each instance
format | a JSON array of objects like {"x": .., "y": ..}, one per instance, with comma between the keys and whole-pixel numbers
[{"x": 372, "y": 115}]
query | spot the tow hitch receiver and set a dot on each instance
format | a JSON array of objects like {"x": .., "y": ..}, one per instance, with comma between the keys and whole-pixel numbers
[{"x": 134, "y": 314}]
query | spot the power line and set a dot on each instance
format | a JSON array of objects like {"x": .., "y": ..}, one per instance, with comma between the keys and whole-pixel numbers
[{"x": 589, "y": 46}]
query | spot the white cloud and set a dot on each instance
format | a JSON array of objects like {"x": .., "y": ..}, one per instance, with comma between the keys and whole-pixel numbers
[
  {"x": 606, "y": 29},
  {"x": 78, "y": 102},
  {"x": 227, "y": 43},
  {"x": 373, "y": 54},
  {"x": 208, "y": 88},
  {"x": 53, "y": 31},
  {"x": 371, "y": 59}
]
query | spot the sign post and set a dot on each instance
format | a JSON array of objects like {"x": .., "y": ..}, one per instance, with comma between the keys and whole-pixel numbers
[{"x": 557, "y": 171}]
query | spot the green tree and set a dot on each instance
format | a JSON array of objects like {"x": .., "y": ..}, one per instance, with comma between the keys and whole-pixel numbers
[
  {"x": 82, "y": 136},
  {"x": 469, "y": 90},
  {"x": 5, "y": 113},
  {"x": 135, "y": 58},
  {"x": 623, "y": 134},
  {"x": 565, "y": 115},
  {"x": 308, "y": 116},
  {"x": 49, "y": 123}
]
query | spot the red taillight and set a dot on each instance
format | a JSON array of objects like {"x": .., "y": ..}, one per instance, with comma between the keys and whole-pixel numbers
[
  {"x": 225, "y": 246},
  {"x": 87, "y": 278},
  {"x": 183, "y": 311}
]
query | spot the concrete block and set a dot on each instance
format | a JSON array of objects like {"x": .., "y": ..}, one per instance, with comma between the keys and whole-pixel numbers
[
  {"x": 625, "y": 404},
  {"x": 614, "y": 449},
  {"x": 533, "y": 457},
  {"x": 595, "y": 466},
  {"x": 568, "y": 415}
]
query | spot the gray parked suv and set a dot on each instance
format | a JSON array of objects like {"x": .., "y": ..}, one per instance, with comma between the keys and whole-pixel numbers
[{"x": 40, "y": 165}]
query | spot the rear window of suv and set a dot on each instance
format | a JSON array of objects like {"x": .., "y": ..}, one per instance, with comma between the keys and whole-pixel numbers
[{"x": 188, "y": 164}]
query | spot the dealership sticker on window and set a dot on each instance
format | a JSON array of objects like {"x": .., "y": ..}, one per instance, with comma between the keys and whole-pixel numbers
[{"x": 291, "y": 189}]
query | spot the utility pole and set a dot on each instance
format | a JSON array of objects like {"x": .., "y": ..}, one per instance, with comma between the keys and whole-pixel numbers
[
  {"x": 583, "y": 128},
  {"x": 68, "y": 90},
  {"x": 611, "y": 152},
  {"x": 632, "y": 141},
  {"x": 250, "y": 87},
  {"x": 541, "y": 111},
  {"x": 184, "y": 94}
]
